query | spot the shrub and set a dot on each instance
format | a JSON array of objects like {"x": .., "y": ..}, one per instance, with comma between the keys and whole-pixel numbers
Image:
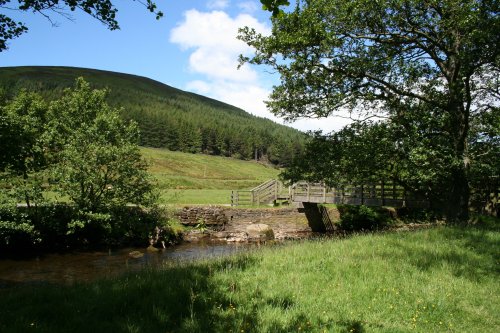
[
  {"x": 60, "y": 227},
  {"x": 16, "y": 229},
  {"x": 357, "y": 218},
  {"x": 417, "y": 215}
]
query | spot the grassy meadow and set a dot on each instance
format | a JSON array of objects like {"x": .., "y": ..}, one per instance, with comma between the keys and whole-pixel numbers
[
  {"x": 185, "y": 178},
  {"x": 436, "y": 280}
]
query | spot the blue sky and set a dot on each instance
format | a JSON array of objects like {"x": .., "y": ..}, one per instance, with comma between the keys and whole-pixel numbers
[{"x": 193, "y": 47}]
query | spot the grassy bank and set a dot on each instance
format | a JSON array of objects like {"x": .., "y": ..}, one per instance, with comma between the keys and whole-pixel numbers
[
  {"x": 185, "y": 178},
  {"x": 439, "y": 280}
]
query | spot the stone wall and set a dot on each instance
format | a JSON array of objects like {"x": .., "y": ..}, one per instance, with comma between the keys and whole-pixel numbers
[
  {"x": 233, "y": 224},
  {"x": 210, "y": 216}
]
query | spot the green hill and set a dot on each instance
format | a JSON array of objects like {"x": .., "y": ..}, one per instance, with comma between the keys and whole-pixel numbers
[
  {"x": 168, "y": 117},
  {"x": 185, "y": 178}
]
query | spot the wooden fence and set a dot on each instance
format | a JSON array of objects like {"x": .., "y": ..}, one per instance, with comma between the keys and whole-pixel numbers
[
  {"x": 265, "y": 193},
  {"x": 375, "y": 194}
]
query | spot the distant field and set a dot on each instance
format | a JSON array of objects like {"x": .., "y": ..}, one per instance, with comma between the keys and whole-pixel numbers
[{"x": 185, "y": 178}]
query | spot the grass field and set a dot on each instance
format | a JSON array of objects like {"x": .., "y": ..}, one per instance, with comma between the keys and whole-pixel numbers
[
  {"x": 185, "y": 178},
  {"x": 436, "y": 280}
]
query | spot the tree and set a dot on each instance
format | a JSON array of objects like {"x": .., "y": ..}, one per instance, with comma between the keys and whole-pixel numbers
[
  {"x": 22, "y": 158},
  {"x": 103, "y": 10},
  {"x": 371, "y": 152},
  {"x": 97, "y": 162},
  {"x": 400, "y": 59}
]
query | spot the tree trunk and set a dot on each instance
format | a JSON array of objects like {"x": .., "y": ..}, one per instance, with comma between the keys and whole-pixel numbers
[{"x": 457, "y": 199}]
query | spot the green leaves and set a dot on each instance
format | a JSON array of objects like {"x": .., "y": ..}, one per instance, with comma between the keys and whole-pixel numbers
[
  {"x": 423, "y": 66},
  {"x": 99, "y": 160},
  {"x": 78, "y": 146},
  {"x": 274, "y": 6}
]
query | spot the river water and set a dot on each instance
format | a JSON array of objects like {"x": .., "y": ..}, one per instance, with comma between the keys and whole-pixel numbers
[{"x": 87, "y": 266}]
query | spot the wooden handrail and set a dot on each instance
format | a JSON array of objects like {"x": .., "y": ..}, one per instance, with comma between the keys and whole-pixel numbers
[
  {"x": 264, "y": 193},
  {"x": 372, "y": 194}
]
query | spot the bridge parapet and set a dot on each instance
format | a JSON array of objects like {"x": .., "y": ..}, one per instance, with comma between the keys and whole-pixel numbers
[{"x": 373, "y": 194}]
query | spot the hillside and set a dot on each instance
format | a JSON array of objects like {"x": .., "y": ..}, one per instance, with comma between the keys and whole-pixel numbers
[
  {"x": 185, "y": 178},
  {"x": 168, "y": 117}
]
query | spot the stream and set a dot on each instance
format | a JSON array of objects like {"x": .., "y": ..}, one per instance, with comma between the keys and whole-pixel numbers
[{"x": 87, "y": 266}]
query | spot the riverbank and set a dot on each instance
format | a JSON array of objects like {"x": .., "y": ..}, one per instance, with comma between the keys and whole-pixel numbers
[
  {"x": 219, "y": 223},
  {"x": 443, "y": 279}
]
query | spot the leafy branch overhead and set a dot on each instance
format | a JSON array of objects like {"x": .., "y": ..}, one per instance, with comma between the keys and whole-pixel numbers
[
  {"x": 102, "y": 10},
  {"x": 273, "y": 6}
]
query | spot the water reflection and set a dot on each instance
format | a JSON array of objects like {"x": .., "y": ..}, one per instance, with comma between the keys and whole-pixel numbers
[{"x": 87, "y": 266}]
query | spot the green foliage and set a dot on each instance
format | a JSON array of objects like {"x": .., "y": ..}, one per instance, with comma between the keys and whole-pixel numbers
[
  {"x": 416, "y": 215},
  {"x": 428, "y": 69},
  {"x": 102, "y": 10},
  {"x": 359, "y": 153},
  {"x": 100, "y": 164},
  {"x": 274, "y": 6},
  {"x": 80, "y": 147},
  {"x": 53, "y": 227},
  {"x": 359, "y": 218},
  {"x": 168, "y": 117},
  {"x": 16, "y": 229},
  {"x": 22, "y": 157},
  {"x": 201, "y": 226},
  {"x": 77, "y": 144}
]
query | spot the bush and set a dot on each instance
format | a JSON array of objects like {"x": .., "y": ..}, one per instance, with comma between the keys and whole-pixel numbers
[
  {"x": 417, "y": 215},
  {"x": 358, "y": 218},
  {"x": 60, "y": 227}
]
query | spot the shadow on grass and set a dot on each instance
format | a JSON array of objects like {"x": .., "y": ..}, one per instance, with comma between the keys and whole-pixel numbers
[
  {"x": 470, "y": 252},
  {"x": 181, "y": 298}
]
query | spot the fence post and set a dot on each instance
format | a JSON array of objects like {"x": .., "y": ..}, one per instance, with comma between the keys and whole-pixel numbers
[
  {"x": 308, "y": 192},
  {"x": 275, "y": 190},
  {"x": 362, "y": 194},
  {"x": 234, "y": 198},
  {"x": 383, "y": 192},
  {"x": 324, "y": 193}
]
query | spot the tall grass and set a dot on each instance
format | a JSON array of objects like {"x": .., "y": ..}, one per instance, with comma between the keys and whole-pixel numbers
[{"x": 438, "y": 280}]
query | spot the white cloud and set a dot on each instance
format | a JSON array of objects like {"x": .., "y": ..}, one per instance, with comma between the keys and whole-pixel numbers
[
  {"x": 326, "y": 124},
  {"x": 218, "y": 64},
  {"x": 217, "y": 4},
  {"x": 198, "y": 86},
  {"x": 210, "y": 37},
  {"x": 248, "y": 6},
  {"x": 249, "y": 97}
]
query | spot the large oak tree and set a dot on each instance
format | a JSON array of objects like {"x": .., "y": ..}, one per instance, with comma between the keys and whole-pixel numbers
[{"x": 401, "y": 59}]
